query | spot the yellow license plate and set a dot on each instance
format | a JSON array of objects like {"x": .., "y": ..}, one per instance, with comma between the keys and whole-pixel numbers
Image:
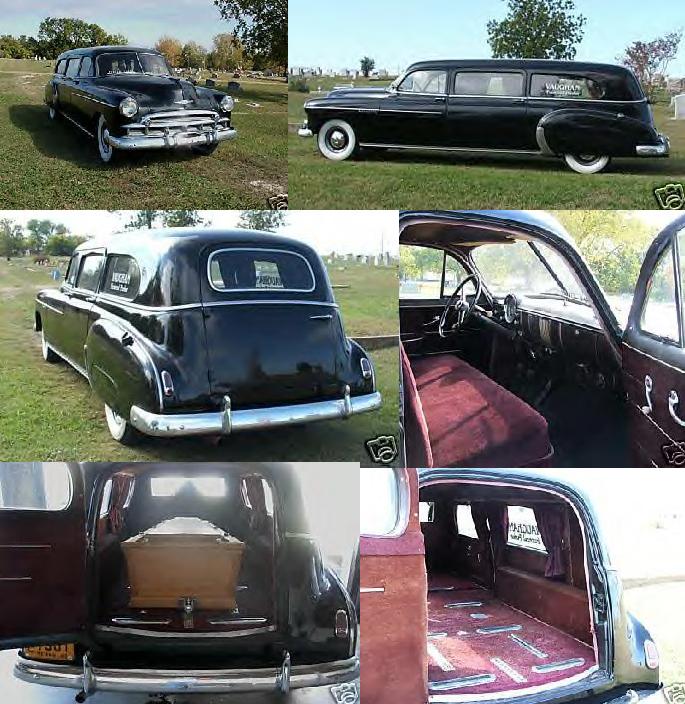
[{"x": 50, "y": 652}]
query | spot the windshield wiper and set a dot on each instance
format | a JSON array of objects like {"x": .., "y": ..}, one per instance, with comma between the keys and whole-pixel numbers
[{"x": 551, "y": 271}]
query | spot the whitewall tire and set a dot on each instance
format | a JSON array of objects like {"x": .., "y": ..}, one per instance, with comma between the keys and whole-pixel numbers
[
  {"x": 119, "y": 428},
  {"x": 337, "y": 140},
  {"x": 104, "y": 147},
  {"x": 587, "y": 164}
]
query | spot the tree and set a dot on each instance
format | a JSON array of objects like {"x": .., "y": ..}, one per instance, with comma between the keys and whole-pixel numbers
[
  {"x": 62, "y": 245},
  {"x": 649, "y": 60},
  {"x": 58, "y": 34},
  {"x": 143, "y": 219},
  {"x": 260, "y": 25},
  {"x": 193, "y": 55},
  {"x": 39, "y": 231},
  {"x": 171, "y": 48},
  {"x": 11, "y": 239},
  {"x": 367, "y": 65},
  {"x": 149, "y": 219},
  {"x": 266, "y": 220},
  {"x": 227, "y": 53},
  {"x": 537, "y": 29},
  {"x": 13, "y": 48}
]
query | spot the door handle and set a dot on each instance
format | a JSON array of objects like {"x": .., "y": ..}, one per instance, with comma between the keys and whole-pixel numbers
[
  {"x": 673, "y": 402},
  {"x": 89, "y": 299},
  {"x": 647, "y": 410},
  {"x": 439, "y": 100}
]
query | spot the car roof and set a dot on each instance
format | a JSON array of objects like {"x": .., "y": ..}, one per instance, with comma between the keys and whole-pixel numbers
[
  {"x": 539, "y": 64},
  {"x": 96, "y": 50}
]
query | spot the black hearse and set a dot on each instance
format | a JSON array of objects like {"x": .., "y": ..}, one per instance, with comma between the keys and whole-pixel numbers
[
  {"x": 128, "y": 98},
  {"x": 196, "y": 331},
  {"x": 586, "y": 113}
]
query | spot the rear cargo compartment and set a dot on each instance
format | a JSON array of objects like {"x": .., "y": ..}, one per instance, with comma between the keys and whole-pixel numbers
[{"x": 508, "y": 606}]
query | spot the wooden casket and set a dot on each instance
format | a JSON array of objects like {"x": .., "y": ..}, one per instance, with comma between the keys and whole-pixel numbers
[{"x": 181, "y": 558}]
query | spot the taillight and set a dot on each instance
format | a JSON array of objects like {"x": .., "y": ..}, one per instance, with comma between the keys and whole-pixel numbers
[
  {"x": 367, "y": 370},
  {"x": 342, "y": 624},
  {"x": 651, "y": 655}
]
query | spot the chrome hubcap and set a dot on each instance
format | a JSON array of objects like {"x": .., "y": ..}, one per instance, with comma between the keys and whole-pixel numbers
[{"x": 337, "y": 139}]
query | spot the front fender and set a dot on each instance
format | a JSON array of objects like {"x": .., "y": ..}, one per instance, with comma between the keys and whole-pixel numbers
[
  {"x": 120, "y": 368},
  {"x": 588, "y": 131}
]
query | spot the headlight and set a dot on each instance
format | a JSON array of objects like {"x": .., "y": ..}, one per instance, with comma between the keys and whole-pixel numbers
[
  {"x": 128, "y": 107},
  {"x": 227, "y": 103}
]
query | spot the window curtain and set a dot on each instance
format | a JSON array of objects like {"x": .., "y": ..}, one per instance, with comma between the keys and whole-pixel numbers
[
  {"x": 551, "y": 522},
  {"x": 498, "y": 518},
  {"x": 121, "y": 488}
]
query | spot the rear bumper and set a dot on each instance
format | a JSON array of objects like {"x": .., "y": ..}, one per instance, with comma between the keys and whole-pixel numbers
[
  {"x": 662, "y": 148},
  {"x": 229, "y": 421},
  {"x": 94, "y": 679},
  {"x": 172, "y": 141}
]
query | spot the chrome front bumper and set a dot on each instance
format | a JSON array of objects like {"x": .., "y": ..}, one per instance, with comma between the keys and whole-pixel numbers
[
  {"x": 661, "y": 149},
  {"x": 171, "y": 141},
  {"x": 227, "y": 421},
  {"x": 90, "y": 679}
]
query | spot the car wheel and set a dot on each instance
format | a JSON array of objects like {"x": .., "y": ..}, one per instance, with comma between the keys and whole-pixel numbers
[
  {"x": 337, "y": 140},
  {"x": 104, "y": 147},
  {"x": 120, "y": 429},
  {"x": 204, "y": 149},
  {"x": 587, "y": 163},
  {"x": 49, "y": 354}
]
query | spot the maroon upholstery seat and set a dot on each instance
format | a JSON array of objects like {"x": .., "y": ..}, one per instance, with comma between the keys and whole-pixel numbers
[{"x": 455, "y": 416}]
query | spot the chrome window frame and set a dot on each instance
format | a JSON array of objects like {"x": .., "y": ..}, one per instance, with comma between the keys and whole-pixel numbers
[
  {"x": 403, "y": 504},
  {"x": 396, "y": 89},
  {"x": 259, "y": 290},
  {"x": 70, "y": 497}
]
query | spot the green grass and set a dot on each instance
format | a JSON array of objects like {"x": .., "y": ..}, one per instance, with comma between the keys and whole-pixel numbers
[
  {"x": 49, "y": 412},
  {"x": 398, "y": 180},
  {"x": 55, "y": 166}
]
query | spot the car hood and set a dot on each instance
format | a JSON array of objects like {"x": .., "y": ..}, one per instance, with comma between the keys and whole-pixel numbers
[{"x": 157, "y": 91}]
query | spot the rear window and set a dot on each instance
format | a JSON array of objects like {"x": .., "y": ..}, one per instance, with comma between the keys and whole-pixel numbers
[
  {"x": 209, "y": 487},
  {"x": 34, "y": 486},
  {"x": 484, "y": 83},
  {"x": 523, "y": 529},
  {"x": 122, "y": 277},
  {"x": 560, "y": 86},
  {"x": 259, "y": 270}
]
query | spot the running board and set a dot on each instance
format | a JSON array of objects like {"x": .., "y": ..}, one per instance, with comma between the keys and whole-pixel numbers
[
  {"x": 488, "y": 630},
  {"x": 459, "y": 682},
  {"x": 556, "y": 666}
]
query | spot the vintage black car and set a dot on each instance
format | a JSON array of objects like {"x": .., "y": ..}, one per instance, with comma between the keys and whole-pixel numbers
[
  {"x": 163, "y": 579},
  {"x": 196, "y": 331},
  {"x": 513, "y": 355},
  {"x": 128, "y": 98},
  {"x": 583, "y": 112}
]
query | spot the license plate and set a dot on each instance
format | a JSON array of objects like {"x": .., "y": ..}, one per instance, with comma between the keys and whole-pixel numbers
[{"x": 50, "y": 652}]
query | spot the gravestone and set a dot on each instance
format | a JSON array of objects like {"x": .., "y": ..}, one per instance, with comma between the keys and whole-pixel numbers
[{"x": 678, "y": 103}]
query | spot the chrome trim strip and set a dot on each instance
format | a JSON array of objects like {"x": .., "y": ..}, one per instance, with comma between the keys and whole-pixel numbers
[
  {"x": 556, "y": 666},
  {"x": 459, "y": 682},
  {"x": 508, "y": 670},
  {"x": 125, "y": 303},
  {"x": 184, "y": 634},
  {"x": 95, "y": 100},
  {"x": 589, "y": 100},
  {"x": 542, "y": 140},
  {"x": 70, "y": 361},
  {"x": 529, "y": 647},
  {"x": 122, "y": 621},
  {"x": 370, "y": 590},
  {"x": 49, "y": 307},
  {"x": 211, "y": 304},
  {"x": 236, "y": 621},
  {"x": 259, "y": 290},
  {"x": 22, "y": 547},
  {"x": 487, "y": 630},
  {"x": 450, "y": 149},
  {"x": 654, "y": 359},
  {"x": 186, "y": 681},
  {"x": 16, "y": 579},
  {"x": 214, "y": 423},
  {"x": 412, "y": 112},
  {"x": 81, "y": 127}
]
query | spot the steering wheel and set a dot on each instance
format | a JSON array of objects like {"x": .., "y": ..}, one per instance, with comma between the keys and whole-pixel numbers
[{"x": 458, "y": 307}]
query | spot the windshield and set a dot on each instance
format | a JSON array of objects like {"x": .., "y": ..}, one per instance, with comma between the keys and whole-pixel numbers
[
  {"x": 128, "y": 62},
  {"x": 527, "y": 269}
]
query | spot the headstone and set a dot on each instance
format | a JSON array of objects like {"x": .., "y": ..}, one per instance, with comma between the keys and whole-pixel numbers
[
  {"x": 210, "y": 83},
  {"x": 679, "y": 105},
  {"x": 233, "y": 87},
  {"x": 56, "y": 275}
]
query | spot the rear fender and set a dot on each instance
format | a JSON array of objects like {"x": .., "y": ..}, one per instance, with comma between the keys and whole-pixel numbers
[
  {"x": 358, "y": 384},
  {"x": 586, "y": 131}
]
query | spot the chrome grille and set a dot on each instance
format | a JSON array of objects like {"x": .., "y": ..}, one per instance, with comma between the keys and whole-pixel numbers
[{"x": 191, "y": 121}]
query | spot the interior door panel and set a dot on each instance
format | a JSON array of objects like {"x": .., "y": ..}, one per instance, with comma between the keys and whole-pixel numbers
[{"x": 394, "y": 664}]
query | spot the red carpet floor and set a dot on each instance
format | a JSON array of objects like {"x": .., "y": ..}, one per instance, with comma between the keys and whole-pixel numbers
[{"x": 457, "y": 649}]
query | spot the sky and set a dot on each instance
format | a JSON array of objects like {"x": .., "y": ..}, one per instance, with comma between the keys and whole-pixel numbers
[
  {"x": 341, "y": 231},
  {"x": 140, "y": 21},
  {"x": 397, "y": 34}
]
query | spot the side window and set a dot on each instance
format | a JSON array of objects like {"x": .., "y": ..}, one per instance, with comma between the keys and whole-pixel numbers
[
  {"x": 72, "y": 67},
  {"x": 559, "y": 86},
  {"x": 122, "y": 277},
  {"x": 465, "y": 525},
  {"x": 89, "y": 273},
  {"x": 421, "y": 270},
  {"x": 660, "y": 312},
  {"x": 523, "y": 529},
  {"x": 106, "y": 499},
  {"x": 488, "y": 83},
  {"x": 72, "y": 270},
  {"x": 86, "y": 67},
  {"x": 424, "y": 82},
  {"x": 380, "y": 501},
  {"x": 426, "y": 511},
  {"x": 35, "y": 486},
  {"x": 61, "y": 65}
]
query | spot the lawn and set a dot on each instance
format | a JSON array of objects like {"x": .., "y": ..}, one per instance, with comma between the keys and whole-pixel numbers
[
  {"x": 49, "y": 412},
  {"x": 411, "y": 180},
  {"x": 55, "y": 166}
]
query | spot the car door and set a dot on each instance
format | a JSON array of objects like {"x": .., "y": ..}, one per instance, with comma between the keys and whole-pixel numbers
[
  {"x": 66, "y": 91},
  {"x": 54, "y": 303},
  {"x": 487, "y": 110},
  {"x": 393, "y": 589},
  {"x": 653, "y": 352},
  {"x": 42, "y": 554},
  {"x": 428, "y": 277},
  {"x": 77, "y": 313},
  {"x": 414, "y": 113},
  {"x": 81, "y": 105}
]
